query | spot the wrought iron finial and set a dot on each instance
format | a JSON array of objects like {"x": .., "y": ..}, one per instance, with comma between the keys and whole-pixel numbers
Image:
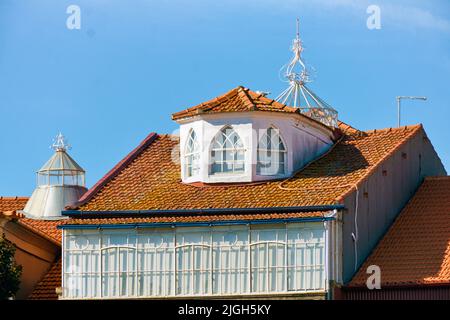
[
  {"x": 296, "y": 70},
  {"x": 298, "y": 95},
  {"x": 60, "y": 143}
]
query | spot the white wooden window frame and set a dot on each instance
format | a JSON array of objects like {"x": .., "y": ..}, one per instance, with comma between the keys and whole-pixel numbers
[
  {"x": 219, "y": 153},
  {"x": 192, "y": 155},
  {"x": 291, "y": 258},
  {"x": 275, "y": 155}
]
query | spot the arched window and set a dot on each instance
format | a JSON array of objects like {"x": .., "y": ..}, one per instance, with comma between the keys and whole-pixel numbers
[
  {"x": 271, "y": 154},
  {"x": 192, "y": 155},
  {"x": 227, "y": 152}
]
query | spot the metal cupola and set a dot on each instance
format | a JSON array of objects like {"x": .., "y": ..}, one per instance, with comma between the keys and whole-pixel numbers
[{"x": 60, "y": 181}]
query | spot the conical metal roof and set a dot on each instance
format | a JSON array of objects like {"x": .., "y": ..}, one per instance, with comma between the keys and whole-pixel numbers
[
  {"x": 60, "y": 181},
  {"x": 61, "y": 161}
]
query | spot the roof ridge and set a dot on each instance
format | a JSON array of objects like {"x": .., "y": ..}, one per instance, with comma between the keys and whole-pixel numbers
[
  {"x": 415, "y": 130},
  {"x": 345, "y": 127},
  {"x": 207, "y": 103},
  {"x": 412, "y": 126},
  {"x": 111, "y": 174},
  {"x": 434, "y": 178},
  {"x": 246, "y": 98},
  {"x": 249, "y": 100},
  {"x": 14, "y": 197}
]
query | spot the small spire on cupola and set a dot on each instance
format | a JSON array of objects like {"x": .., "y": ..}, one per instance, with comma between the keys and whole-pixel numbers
[
  {"x": 298, "y": 94},
  {"x": 60, "y": 143},
  {"x": 292, "y": 73}
]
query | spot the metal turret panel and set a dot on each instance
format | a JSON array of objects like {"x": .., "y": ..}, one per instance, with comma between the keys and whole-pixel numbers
[{"x": 60, "y": 181}]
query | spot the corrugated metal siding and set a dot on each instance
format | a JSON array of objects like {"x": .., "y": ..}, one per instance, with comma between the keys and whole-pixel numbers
[{"x": 417, "y": 293}]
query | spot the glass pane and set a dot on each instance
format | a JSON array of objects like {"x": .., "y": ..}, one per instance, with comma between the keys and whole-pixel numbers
[
  {"x": 192, "y": 155},
  {"x": 216, "y": 167},
  {"x": 239, "y": 167},
  {"x": 228, "y": 167}
]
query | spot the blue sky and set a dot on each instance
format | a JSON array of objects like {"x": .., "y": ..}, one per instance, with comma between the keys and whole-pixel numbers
[{"x": 133, "y": 63}]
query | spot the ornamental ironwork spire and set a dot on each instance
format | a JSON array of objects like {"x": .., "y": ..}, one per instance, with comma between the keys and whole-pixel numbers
[
  {"x": 296, "y": 69},
  {"x": 298, "y": 94},
  {"x": 60, "y": 143}
]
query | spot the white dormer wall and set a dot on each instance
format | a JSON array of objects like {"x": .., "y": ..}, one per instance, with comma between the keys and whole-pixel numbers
[{"x": 303, "y": 139}]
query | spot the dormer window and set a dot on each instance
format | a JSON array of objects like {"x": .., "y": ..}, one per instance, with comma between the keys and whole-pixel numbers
[
  {"x": 244, "y": 137},
  {"x": 271, "y": 154},
  {"x": 227, "y": 152},
  {"x": 192, "y": 155}
]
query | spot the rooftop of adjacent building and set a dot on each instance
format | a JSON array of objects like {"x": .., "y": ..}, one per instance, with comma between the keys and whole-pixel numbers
[
  {"x": 416, "y": 249},
  {"x": 10, "y": 209}
]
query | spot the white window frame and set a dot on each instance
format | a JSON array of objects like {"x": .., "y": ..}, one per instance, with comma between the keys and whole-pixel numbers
[
  {"x": 192, "y": 155},
  {"x": 223, "y": 268},
  {"x": 118, "y": 272},
  {"x": 237, "y": 147},
  {"x": 271, "y": 153}
]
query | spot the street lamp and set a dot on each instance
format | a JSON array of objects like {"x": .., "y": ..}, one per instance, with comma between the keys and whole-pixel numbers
[{"x": 406, "y": 97}]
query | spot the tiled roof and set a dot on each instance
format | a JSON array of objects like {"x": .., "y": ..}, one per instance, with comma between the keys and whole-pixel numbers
[
  {"x": 10, "y": 207},
  {"x": 45, "y": 228},
  {"x": 12, "y": 203},
  {"x": 151, "y": 180},
  {"x": 46, "y": 288},
  {"x": 416, "y": 249},
  {"x": 348, "y": 129},
  {"x": 239, "y": 99}
]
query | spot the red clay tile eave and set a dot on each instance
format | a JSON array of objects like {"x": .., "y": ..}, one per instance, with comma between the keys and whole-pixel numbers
[
  {"x": 98, "y": 221},
  {"x": 45, "y": 228},
  {"x": 115, "y": 171}
]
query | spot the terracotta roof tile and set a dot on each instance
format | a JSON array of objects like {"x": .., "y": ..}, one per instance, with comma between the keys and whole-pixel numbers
[
  {"x": 45, "y": 228},
  {"x": 10, "y": 207},
  {"x": 151, "y": 181},
  {"x": 46, "y": 288},
  {"x": 348, "y": 129},
  {"x": 239, "y": 99},
  {"x": 12, "y": 203},
  {"x": 416, "y": 249}
]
